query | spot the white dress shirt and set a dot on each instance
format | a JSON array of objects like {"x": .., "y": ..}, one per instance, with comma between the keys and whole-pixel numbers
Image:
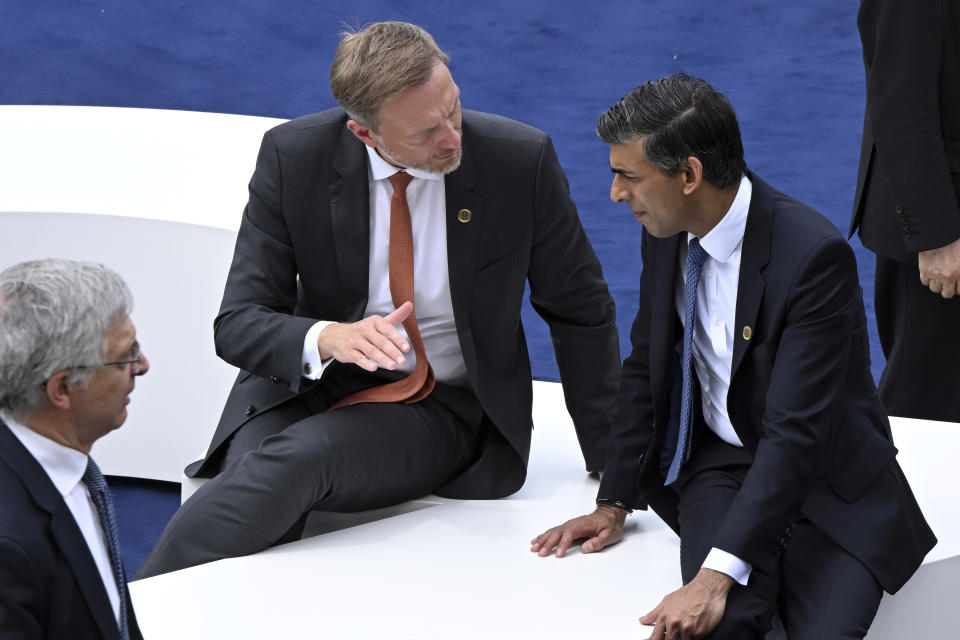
[
  {"x": 65, "y": 468},
  {"x": 713, "y": 335},
  {"x": 426, "y": 198}
]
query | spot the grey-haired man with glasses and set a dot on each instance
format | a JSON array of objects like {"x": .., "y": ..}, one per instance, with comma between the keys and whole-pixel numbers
[{"x": 68, "y": 363}]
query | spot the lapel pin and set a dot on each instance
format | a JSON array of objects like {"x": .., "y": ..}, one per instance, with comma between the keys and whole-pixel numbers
[
  {"x": 464, "y": 215},
  {"x": 747, "y": 332}
]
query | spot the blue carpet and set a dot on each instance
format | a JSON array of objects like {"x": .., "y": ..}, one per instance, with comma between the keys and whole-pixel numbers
[{"x": 792, "y": 70}]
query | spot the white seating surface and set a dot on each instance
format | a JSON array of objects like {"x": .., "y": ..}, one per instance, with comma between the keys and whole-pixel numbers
[
  {"x": 438, "y": 568},
  {"x": 157, "y": 195}
]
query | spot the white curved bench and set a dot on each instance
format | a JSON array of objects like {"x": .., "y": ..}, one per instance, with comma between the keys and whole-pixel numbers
[{"x": 156, "y": 195}]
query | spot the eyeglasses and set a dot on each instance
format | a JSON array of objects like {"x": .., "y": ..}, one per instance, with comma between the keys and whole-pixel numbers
[{"x": 136, "y": 359}]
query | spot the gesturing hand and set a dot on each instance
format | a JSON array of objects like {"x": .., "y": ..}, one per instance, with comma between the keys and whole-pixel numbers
[
  {"x": 692, "y": 611},
  {"x": 370, "y": 343},
  {"x": 602, "y": 528}
]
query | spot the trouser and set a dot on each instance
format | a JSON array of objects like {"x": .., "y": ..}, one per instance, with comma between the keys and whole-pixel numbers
[
  {"x": 920, "y": 336},
  {"x": 292, "y": 459},
  {"x": 818, "y": 590}
]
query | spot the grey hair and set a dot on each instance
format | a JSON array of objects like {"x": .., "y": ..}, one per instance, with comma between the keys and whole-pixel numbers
[{"x": 54, "y": 315}]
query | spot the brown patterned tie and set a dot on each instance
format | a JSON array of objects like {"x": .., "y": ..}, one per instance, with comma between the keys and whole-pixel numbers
[{"x": 419, "y": 383}]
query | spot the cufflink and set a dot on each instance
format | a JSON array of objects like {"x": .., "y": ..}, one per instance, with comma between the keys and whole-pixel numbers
[{"x": 307, "y": 369}]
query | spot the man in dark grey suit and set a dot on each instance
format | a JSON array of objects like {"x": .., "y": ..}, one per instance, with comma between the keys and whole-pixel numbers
[
  {"x": 68, "y": 362},
  {"x": 310, "y": 315},
  {"x": 907, "y": 204}
]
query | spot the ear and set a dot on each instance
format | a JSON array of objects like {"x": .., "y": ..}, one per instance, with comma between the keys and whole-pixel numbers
[
  {"x": 58, "y": 390},
  {"x": 692, "y": 175},
  {"x": 364, "y": 134}
]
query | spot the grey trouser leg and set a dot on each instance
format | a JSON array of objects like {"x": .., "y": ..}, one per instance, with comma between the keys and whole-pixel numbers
[{"x": 352, "y": 459}]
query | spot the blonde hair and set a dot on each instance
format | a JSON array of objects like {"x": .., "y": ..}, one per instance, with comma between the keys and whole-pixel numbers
[{"x": 380, "y": 61}]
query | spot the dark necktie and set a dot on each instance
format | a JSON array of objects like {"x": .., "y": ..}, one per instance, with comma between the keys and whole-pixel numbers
[
  {"x": 420, "y": 382},
  {"x": 103, "y": 501},
  {"x": 695, "y": 259}
]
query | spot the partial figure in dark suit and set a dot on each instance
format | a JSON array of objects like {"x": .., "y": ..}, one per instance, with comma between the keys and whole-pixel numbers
[
  {"x": 748, "y": 418},
  {"x": 311, "y": 315},
  {"x": 68, "y": 360},
  {"x": 907, "y": 204}
]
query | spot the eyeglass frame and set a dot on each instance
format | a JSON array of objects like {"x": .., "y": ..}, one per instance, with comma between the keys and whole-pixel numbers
[{"x": 116, "y": 363}]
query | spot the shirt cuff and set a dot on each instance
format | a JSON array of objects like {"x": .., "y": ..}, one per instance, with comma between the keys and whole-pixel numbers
[
  {"x": 311, "y": 366},
  {"x": 720, "y": 560}
]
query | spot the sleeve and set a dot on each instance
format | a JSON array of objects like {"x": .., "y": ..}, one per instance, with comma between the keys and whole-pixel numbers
[
  {"x": 633, "y": 426},
  {"x": 312, "y": 365},
  {"x": 256, "y": 329},
  {"x": 19, "y": 594},
  {"x": 902, "y": 47},
  {"x": 568, "y": 291}
]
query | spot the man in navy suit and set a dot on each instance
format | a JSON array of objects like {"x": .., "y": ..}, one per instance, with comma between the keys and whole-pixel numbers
[
  {"x": 68, "y": 361},
  {"x": 907, "y": 204},
  {"x": 310, "y": 316},
  {"x": 767, "y": 450}
]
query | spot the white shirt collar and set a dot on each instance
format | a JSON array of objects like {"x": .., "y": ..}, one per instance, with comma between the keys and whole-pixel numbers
[
  {"x": 721, "y": 241},
  {"x": 64, "y": 465},
  {"x": 380, "y": 169}
]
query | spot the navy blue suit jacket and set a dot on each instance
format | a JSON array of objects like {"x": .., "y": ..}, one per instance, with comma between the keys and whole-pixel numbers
[
  {"x": 49, "y": 584},
  {"x": 801, "y": 398}
]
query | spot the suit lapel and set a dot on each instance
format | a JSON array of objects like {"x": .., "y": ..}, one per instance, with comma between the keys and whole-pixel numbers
[
  {"x": 462, "y": 246},
  {"x": 64, "y": 529},
  {"x": 753, "y": 259},
  {"x": 77, "y": 554},
  {"x": 349, "y": 193}
]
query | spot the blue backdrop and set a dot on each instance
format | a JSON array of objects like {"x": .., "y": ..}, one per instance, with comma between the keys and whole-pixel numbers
[{"x": 792, "y": 70}]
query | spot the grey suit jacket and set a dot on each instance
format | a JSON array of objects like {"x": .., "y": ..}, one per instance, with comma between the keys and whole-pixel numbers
[{"x": 302, "y": 255}]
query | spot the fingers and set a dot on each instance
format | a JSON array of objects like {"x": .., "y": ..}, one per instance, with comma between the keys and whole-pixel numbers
[
  {"x": 597, "y": 531},
  {"x": 559, "y": 538},
  {"x": 398, "y": 315},
  {"x": 948, "y": 290},
  {"x": 372, "y": 343},
  {"x": 605, "y": 538},
  {"x": 651, "y": 617}
]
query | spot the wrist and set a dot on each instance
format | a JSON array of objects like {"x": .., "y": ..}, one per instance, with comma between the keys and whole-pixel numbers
[
  {"x": 615, "y": 514},
  {"x": 716, "y": 582}
]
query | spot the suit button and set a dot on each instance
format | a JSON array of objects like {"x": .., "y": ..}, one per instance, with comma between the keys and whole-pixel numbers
[
  {"x": 898, "y": 209},
  {"x": 251, "y": 409},
  {"x": 276, "y": 380},
  {"x": 747, "y": 333},
  {"x": 464, "y": 215}
]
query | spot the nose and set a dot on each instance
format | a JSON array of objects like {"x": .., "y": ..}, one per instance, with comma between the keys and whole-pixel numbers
[
  {"x": 452, "y": 135},
  {"x": 142, "y": 366},
  {"x": 617, "y": 192}
]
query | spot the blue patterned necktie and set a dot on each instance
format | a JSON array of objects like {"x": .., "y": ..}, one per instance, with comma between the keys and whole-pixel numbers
[
  {"x": 103, "y": 501},
  {"x": 695, "y": 259}
]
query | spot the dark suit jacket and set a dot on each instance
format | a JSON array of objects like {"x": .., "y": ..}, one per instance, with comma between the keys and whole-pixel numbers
[
  {"x": 908, "y": 187},
  {"x": 49, "y": 585},
  {"x": 801, "y": 398},
  {"x": 302, "y": 255}
]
